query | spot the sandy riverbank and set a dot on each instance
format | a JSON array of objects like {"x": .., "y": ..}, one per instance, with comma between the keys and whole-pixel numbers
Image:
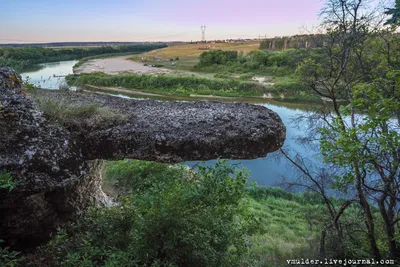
[{"x": 118, "y": 65}]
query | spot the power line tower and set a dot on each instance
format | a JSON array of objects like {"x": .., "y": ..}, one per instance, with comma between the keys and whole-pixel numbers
[{"x": 203, "y": 33}]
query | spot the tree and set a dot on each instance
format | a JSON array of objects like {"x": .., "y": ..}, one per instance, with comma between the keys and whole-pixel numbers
[
  {"x": 358, "y": 82},
  {"x": 394, "y": 13}
]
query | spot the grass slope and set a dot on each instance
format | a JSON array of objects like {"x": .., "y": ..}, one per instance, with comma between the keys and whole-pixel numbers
[
  {"x": 188, "y": 53},
  {"x": 194, "y": 50}
]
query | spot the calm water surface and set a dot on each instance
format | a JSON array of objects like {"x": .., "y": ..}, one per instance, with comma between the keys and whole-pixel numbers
[
  {"x": 265, "y": 171},
  {"x": 49, "y": 75}
]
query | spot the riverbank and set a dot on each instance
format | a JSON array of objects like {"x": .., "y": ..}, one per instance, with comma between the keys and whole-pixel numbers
[
  {"x": 177, "y": 85},
  {"x": 135, "y": 93},
  {"x": 171, "y": 85},
  {"x": 117, "y": 65}
]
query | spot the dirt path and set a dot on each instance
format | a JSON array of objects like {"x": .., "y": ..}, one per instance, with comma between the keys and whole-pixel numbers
[{"x": 118, "y": 65}]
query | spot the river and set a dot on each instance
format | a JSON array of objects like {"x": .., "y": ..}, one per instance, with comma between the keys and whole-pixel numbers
[
  {"x": 49, "y": 75},
  {"x": 266, "y": 171}
]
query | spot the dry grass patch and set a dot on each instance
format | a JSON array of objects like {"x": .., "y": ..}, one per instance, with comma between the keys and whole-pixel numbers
[
  {"x": 193, "y": 50},
  {"x": 78, "y": 115},
  {"x": 188, "y": 54}
]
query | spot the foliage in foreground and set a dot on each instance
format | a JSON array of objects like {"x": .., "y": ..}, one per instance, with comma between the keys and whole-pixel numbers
[
  {"x": 9, "y": 258},
  {"x": 169, "y": 215},
  {"x": 178, "y": 218}
]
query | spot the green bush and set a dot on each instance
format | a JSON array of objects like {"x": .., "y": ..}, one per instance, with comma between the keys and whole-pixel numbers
[
  {"x": 221, "y": 75},
  {"x": 217, "y": 57},
  {"x": 17, "y": 65},
  {"x": 128, "y": 177},
  {"x": 259, "y": 57},
  {"x": 9, "y": 258},
  {"x": 306, "y": 198},
  {"x": 289, "y": 87},
  {"x": 173, "y": 217},
  {"x": 293, "y": 91},
  {"x": 247, "y": 76}
]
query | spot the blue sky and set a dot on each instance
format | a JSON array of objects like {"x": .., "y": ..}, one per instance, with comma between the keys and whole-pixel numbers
[{"x": 151, "y": 20}]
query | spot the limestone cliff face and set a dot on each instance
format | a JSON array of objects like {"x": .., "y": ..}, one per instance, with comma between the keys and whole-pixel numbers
[{"x": 58, "y": 168}]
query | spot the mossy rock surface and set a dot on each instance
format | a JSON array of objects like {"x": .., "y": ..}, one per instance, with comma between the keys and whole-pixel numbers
[{"x": 10, "y": 79}]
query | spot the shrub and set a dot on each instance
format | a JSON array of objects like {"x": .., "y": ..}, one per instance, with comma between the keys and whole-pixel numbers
[
  {"x": 246, "y": 76},
  {"x": 217, "y": 57},
  {"x": 289, "y": 87},
  {"x": 174, "y": 217},
  {"x": 17, "y": 65},
  {"x": 9, "y": 258},
  {"x": 167, "y": 84},
  {"x": 221, "y": 75},
  {"x": 127, "y": 177}
]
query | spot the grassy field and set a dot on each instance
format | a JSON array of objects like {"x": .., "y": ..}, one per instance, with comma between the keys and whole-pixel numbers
[
  {"x": 288, "y": 233},
  {"x": 188, "y": 53},
  {"x": 194, "y": 50}
]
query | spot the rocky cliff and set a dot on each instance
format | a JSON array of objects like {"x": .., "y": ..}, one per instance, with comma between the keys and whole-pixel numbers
[{"x": 57, "y": 167}]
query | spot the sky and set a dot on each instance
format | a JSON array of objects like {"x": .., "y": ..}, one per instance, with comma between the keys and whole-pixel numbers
[{"x": 34, "y": 21}]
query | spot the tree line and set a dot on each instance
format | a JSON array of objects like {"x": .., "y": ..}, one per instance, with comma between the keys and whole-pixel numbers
[{"x": 19, "y": 58}]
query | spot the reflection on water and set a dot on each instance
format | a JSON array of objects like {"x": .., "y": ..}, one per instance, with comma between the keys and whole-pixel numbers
[
  {"x": 265, "y": 171},
  {"x": 270, "y": 170},
  {"x": 49, "y": 75},
  {"x": 33, "y": 68}
]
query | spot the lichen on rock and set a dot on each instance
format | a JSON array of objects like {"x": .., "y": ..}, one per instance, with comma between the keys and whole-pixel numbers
[{"x": 9, "y": 79}]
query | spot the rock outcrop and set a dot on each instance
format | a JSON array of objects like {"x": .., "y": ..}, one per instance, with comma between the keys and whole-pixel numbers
[{"x": 57, "y": 168}]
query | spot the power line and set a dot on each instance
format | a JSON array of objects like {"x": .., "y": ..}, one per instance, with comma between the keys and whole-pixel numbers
[{"x": 203, "y": 33}]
